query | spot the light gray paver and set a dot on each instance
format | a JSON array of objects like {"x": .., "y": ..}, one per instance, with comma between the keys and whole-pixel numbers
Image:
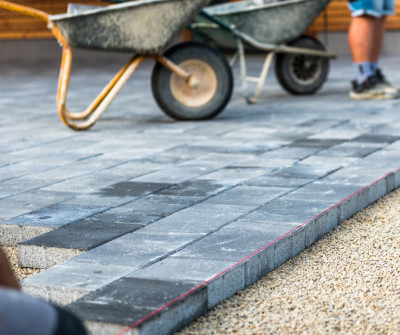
[
  {"x": 169, "y": 269},
  {"x": 198, "y": 220},
  {"x": 247, "y": 195}
]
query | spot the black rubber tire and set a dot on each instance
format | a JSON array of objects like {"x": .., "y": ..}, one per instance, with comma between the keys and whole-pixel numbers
[
  {"x": 193, "y": 52},
  {"x": 302, "y": 74}
]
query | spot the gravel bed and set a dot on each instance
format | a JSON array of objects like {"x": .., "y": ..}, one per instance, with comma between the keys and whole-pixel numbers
[
  {"x": 21, "y": 273},
  {"x": 346, "y": 283}
]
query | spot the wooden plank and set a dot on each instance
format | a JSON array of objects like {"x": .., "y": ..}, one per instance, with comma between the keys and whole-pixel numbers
[
  {"x": 338, "y": 18},
  {"x": 17, "y": 26}
]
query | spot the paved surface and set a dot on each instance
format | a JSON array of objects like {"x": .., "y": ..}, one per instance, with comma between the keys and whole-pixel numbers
[{"x": 146, "y": 223}]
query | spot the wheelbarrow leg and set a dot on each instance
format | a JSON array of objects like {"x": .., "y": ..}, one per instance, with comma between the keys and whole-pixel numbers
[
  {"x": 243, "y": 73},
  {"x": 263, "y": 76},
  {"x": 234, "y": 59},
  {"x": 90, "y": 116},
  {"x": 243, "y": 69}
]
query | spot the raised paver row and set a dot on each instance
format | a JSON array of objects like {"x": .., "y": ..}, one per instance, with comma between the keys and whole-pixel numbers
[
  {"x": 197, "y": 268},
  {"x": 204, "y": 233}
]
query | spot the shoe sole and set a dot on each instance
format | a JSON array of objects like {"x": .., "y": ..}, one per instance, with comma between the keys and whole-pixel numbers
[
  {"x": 389, "y": 90},
  {"x": 383, "y": 96}
]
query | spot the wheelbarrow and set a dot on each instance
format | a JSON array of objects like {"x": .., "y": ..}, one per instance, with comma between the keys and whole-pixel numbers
[
  {"x": 190, "y": 81},
  {"x": 273, "y": 27}
]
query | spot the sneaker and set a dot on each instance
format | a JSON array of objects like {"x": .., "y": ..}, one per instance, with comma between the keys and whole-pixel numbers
[
  {"x": 389, "y": 89},
  {"x": 370, "y": 89}
]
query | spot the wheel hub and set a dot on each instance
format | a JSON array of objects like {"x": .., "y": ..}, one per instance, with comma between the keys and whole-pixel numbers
[
  {"x": 200, "y": 93},
  {"x": 305, "y": 69}
]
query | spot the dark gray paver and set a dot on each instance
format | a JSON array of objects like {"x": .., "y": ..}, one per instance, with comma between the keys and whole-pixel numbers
[
  {"x": 375, "y": 138},
  {"x": 133, "y": 299},
  {"x": 148, "y": 222},
  {"x": 70, "y": 240},
  {"x": 142, "y": 294},
  {"x": 134, "y": 189},
  {"x": 315, "y": 143}
]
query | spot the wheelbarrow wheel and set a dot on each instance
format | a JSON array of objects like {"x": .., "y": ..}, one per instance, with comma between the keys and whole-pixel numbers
[
  {"x": 203, "y": 100},
  {"x": 302, "y": 74}
]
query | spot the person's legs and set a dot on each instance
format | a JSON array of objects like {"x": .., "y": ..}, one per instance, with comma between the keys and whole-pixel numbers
[
  {"x": 378, "y": 36},
  {"x": 379, "y": 32},
  {"x": 362, "y": 45},
  {"x": 361, "y": 38},
  {"x": 365, "y": 35}
]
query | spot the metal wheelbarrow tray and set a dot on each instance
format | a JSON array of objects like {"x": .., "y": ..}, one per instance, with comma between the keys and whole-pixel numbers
[
  {"x": 274, "y": 27},
  {"x": 141, "y": 27},
  {"x": 190, "y": 81}
]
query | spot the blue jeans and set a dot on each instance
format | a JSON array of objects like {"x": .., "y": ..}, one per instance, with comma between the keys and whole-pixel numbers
[{"x": 376, "y": 8}]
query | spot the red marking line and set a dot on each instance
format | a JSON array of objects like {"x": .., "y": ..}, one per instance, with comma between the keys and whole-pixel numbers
[{"x": 244, "y": 259}]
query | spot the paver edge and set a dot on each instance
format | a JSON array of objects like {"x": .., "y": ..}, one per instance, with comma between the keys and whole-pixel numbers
[{"x": 391, "y": 180}]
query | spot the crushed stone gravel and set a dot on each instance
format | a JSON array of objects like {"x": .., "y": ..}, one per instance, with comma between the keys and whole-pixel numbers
[
  {"x": 346, "y": 283},
  {"x": 21, "y": 273}
]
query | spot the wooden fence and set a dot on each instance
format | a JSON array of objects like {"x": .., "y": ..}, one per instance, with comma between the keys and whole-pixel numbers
[{"x": 15, "y": 26}]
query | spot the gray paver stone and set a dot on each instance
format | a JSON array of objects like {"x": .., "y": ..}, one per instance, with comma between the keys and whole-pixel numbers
[
  {"x": 53, "y": 247},
  {"x": 226, "y": 285},
  {"x": 128, "y": 300}
]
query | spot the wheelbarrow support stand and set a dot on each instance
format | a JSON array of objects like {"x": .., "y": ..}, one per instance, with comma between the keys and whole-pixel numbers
[{"x": 271, "y": 49}]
